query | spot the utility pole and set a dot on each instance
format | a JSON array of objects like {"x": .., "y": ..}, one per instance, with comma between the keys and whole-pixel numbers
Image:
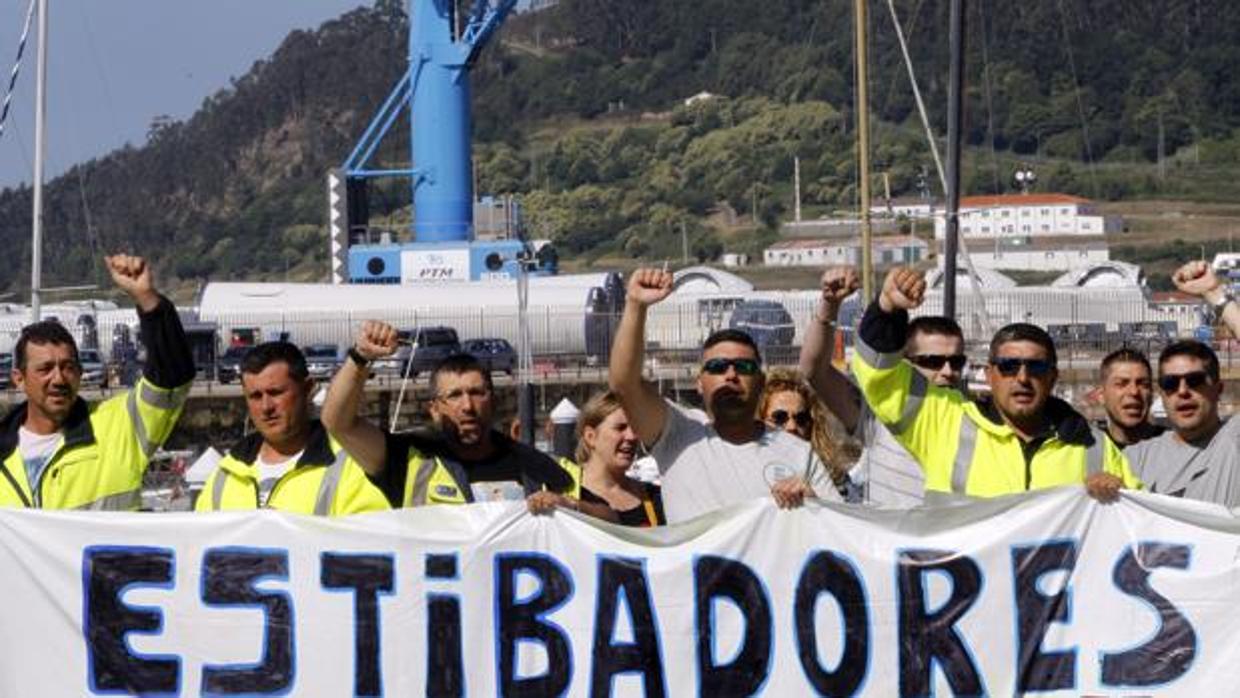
[
  {"x": 796, "y": 186},
  {"x": 684, "y": 244},
  {"x": 40, "y": 152},
  {"x": 955, "y": 113},
  {"x": 863, "y": 150}
]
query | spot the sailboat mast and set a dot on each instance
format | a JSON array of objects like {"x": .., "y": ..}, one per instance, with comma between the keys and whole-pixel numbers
[
  {"x": 863, "y": 147},
  {"x": 955, "y": 113},
  {"x": 40, "y": 151}
]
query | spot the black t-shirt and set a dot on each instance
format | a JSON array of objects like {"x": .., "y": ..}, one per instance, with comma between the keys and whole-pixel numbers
[
  {"x": 511, "y": 461},
  {"x": 648, "y": 513}
]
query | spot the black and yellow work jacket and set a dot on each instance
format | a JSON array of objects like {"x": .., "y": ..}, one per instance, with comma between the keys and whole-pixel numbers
[{"x": 105, "y": 447}]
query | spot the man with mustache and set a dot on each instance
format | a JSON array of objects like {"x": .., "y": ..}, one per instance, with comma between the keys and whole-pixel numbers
[
  {"x": 58, "y": 452},
  {"x": 1127, "y": 394},
  {"x": 1021, "y": 439},
  {"x": 725, "y": 455},
  {"x": 1198, "y": 459},
  {"x": 463, "y": 459},
  {"x": 289, "y": 463}
]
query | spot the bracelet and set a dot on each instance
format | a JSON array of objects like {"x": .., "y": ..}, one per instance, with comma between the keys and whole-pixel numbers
[{"x": 357, "y": 358}]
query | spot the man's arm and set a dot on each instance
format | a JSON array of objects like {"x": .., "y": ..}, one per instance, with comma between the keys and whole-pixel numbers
[
  {"x": 832, "y": 387},
  {"x": 365, "y": 442},
  {"x": 169, "y": 362},
  {"x": 1198, "y": 279},
  {"x": 646, "y": 411}
]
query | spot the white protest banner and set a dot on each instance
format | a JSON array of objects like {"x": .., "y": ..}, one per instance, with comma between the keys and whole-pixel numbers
[{"x": 1049, "y": 593}]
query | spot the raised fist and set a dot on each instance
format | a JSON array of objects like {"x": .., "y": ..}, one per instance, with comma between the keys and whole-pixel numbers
[
  {"x": 376, "y": 340},
  {"x": 1196, "y": 278},
  {"x": 133, "y": 276},
  {"x": 903, "y": 289},
  {"x": 839, "y": 283},
  {"x": 648, "y": 286}
]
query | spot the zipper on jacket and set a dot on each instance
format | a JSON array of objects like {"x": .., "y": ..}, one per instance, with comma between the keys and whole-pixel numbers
[{"x": 13, "y": 483}]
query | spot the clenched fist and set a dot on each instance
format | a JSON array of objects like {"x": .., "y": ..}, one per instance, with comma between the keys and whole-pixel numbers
[
  {"x": 133, "y": 276},
  {"x": 903, "y": 289},
  {"x": 1196, "y": 278},
  {"x": 376, "y": 340},
  {"x": 839, "y": 283},
  {"x": 648, "y": 286}
]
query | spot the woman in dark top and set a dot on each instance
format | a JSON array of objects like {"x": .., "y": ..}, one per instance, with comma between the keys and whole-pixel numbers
[{"x": 606, "y": 448}]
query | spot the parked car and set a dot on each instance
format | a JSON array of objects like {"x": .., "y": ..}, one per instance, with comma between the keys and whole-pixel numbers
[
  {"x": 6, "y": 368},
  {"x": 229, "y": 367},
  {"x": 768, "y": 322},
  {"x": 430, "y": 345},
  {"x": 322, "y": 360},
  {"x": 93, "y": 372},
  {"x": 494, "y": 354}
]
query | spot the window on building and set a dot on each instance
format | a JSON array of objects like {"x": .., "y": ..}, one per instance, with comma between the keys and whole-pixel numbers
[
  {"x": 1046, "y": 212},
  {"x": 1046, "y": 226},
  {"x": 1065, "y": 211},
  {"x": 985, "y": 229},
  {"x": 1025, "y": 228},
  {"x": 1007, "y": 213}
]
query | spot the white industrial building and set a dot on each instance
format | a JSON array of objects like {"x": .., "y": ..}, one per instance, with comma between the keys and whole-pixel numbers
[
  {"x": 903, "y": 249},
  {"x": 1029, "y": 215},
  {"x": 1038, "y": 254}
]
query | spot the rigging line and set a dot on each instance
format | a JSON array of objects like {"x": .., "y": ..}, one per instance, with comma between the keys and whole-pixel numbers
[
  {"x": 1080, "y": 102},
  {"x": 921, "y": 105},
  {"x": 962, "y": 249},
  {"x": 990, "y": 104},
  {"x": 895, "y": 74},
  {"x": 17, "y": 64}
]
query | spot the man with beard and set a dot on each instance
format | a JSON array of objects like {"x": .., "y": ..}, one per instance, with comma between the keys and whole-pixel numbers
[
  {"x": 1127, "y": 394},
  {"x": 289, "y": 463},
  {"x": 725, "y": 455},
  {"x": 1198, "y": 459},
  {"x": 1021, "y": 439},
  {"x": 462, "y": 459},
  {"x": 57, "y": 452}
]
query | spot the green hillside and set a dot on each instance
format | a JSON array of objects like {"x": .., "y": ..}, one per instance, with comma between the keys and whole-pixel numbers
[{"x": 580, "y": 111}]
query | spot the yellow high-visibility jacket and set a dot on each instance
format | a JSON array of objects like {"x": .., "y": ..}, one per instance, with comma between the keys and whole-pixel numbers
[
  {"x": 326, "y": 481},
  {"x": 963, "y": 445},
  {"x": 105, "y": 447}
]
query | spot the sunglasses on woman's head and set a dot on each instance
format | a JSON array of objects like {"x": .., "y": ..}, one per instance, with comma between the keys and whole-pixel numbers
[{"x": 803, "y": 418}]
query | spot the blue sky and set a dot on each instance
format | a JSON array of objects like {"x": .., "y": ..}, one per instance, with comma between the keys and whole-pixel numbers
[{"x": 113, "y": 65}]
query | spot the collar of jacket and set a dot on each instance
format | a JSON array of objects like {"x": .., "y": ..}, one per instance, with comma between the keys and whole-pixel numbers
[
  {"x": 318, "y": 448},
  {"x": 1068, "y": 424},
  {"x": 76, "y": 427}
]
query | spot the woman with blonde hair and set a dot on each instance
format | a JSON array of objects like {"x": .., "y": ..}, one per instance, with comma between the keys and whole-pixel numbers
[
  {"x": 788, "y": 404},
  {"x": 606, "y": 449}
]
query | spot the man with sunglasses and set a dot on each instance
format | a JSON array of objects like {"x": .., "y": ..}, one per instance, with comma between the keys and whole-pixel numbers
[
  {"x": 725, "y": 455},
  {"x": 462, "y": 459},
  {"x": 1021, "y": 439},
  {"x": 887, "y": 473},
  {"x": 1200, "y": 457}
]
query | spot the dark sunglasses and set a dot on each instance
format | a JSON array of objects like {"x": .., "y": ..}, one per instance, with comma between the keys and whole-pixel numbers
[
  {"x": 803, "y": 418},
  {"x": 719, "y": 366},
  {"x": 1195, "y": 380},
  {"x": 936, "y": 362},
  {"x": 1009, "y": 367}
]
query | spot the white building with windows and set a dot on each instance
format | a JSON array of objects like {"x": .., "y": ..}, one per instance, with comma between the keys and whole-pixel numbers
[
  {"x": 1038, "y": 254},
  {"x": 1028, "y": 215},
  {"x": 887, "y": 251}
]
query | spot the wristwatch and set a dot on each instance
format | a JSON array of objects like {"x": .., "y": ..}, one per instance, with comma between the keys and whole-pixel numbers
[{"x": 357, "y": 357}]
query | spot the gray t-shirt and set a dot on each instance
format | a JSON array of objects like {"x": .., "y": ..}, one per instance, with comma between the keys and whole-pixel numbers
[
  {"x": 1209, "y": 472},
  {"x": 888, "y": 473},
  {"x": 702, "y": 472}
]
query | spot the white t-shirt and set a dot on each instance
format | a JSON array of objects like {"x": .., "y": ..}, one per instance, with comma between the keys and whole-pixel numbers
[
  {"x": 889, "y": 474},
  {"x": 702, "y": 472},
  {"x": 36, "y": 450},
  {"x": 269, "y": 473}
]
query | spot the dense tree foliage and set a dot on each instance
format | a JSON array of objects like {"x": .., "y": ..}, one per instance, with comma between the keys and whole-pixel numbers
[{"x": 580, "y": 110}]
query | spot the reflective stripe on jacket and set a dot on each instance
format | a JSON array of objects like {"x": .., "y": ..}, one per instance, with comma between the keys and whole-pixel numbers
[
  {"x": 102, "y": 456},
  {"x": 965, "y": 448},
  {"x": 325, "y": 481}
]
